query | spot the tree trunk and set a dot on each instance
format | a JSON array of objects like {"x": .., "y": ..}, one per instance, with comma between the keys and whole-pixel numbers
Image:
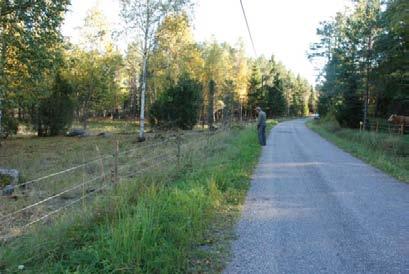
[
  {"x": 143, "y": 93},
  {"x": 85, "y": 115},
  {"x": 85, "y": 120},
  {"x": 210, "y": 114},
  {"x": 2, "y": 78},
  {"x": 133, "y": 97},
  {"x": 144, "y": 76},
  {"x": 368, "y": 60}
]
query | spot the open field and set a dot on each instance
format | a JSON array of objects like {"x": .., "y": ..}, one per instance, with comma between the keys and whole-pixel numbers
[
  {"x": 58, "y": 171},
  {"x": 175, "y": 219},
  {"x": 36, "y": 157},
  {"x": 388, "y": 152}
]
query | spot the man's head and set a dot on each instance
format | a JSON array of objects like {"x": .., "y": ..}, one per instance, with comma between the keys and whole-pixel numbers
[{"x": 258, "y": 109}]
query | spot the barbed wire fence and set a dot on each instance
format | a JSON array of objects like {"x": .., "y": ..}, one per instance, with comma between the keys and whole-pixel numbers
[{"x": 38, "y": 200}]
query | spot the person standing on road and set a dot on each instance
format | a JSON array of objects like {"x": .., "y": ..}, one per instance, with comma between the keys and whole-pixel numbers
[{"x": 261, "y": 126}]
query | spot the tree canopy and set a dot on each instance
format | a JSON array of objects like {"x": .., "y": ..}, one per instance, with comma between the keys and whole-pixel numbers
[
  {"x": 366, "y": 53},
  {"x": 42, "y": 73}
]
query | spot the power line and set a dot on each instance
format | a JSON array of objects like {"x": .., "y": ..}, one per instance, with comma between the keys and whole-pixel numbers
[{"x": 248, "y": 28}]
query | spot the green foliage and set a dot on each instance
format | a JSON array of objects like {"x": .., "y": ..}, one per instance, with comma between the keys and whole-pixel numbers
[
  {"x": 179, "y": 105},
  {"x": 349, "y": 110},
  {"x": 210, "y": 109},
  {"x": 276, "y": 105},
  {"x": 366, "y": 52},
  {"x": 93, "y": 77},
  {"x": 9, "y": 125},
  {"x": 175, "y": 53},
  {"x": 277, "y": 90},
  {"x": 230, "y": 101},
  {"x": 55, "y": 113},
  {"x": 324, "y": 105},
  {"x": 255, "y": 93},
  {"x": 30, "y": 52},
  {"x": 391, "y": 49}
]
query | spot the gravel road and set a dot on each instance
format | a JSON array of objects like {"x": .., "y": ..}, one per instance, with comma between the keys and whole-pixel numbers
[{"x": 313, "y": 208}]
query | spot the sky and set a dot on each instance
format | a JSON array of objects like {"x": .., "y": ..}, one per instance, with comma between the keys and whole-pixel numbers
[{"x": 283, "y": 28}]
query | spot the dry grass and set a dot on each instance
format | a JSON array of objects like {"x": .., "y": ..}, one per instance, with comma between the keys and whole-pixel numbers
[{"x": 38, "y": 157}]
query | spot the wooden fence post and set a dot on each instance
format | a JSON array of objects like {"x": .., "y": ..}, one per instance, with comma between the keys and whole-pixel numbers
[
  {"x": 84, "y": 171},
  {"x": 114, "y": 171},
  {"x": 402, "y": 129},
  {"x": 207, "y": 149},
  {"x": 360, "y": 126},
  {"x": 101, "y": 163},
  {"x": 178, "y": 144},
  {"x": 377, "y": 126}
]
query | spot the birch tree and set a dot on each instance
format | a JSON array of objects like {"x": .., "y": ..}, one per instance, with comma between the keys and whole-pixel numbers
[{"x": 144, "y": 17}]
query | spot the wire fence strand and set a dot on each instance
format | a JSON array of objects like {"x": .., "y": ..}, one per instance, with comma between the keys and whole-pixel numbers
[
  {"x": 65, "y": 206},
  {"x": 2, "y": 218}
]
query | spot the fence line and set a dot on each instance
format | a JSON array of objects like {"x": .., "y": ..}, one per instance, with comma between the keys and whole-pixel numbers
[
  {"x": 65, "y": 206},
  {"x": 107, "y": 156},
  {"x": 64, "y": 171},
  {"x": 83, "y": 197},
  {"x": 74, "y": 188},
  {"x": 385, "y": 127},
  {"x": 115, "y": 170},
  {"x": 144, "y": 147},
  {"x": 49, "y": 198},
  {"x": 143, "y": 161},
  {"x": 148, "y": 167}
]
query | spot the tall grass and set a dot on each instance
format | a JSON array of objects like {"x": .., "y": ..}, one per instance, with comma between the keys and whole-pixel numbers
[
  {"x": 152, "y": 225},
  {"x": 388, "y": 152}
]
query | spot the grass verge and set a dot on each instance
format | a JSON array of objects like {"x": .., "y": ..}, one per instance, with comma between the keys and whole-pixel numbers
[
  {"x": 169, "y": 221},
  {"x": 387, "y": 152}
]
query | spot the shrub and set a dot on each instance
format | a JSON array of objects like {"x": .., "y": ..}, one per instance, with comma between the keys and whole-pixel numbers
[
  {"x": 55, "y": 113},
  {"x": 349, "y": 113},
  {"x": 178, "y": 106}
]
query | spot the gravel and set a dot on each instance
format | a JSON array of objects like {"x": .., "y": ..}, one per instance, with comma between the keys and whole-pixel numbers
[{"x": 313, "y": 208}]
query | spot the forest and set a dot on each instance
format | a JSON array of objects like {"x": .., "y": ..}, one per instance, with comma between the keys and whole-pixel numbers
[
  {"x": 366, "y": 54},
  {"x": 48, "y": 82}
]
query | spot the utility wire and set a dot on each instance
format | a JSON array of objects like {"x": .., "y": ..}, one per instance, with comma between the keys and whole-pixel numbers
[{"x": 248, "y": 28}]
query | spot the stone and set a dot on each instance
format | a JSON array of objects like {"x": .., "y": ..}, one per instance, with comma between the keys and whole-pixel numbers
[
  {"x": 8, "y": 190},
  {"x": 9, "y": 176},
  {"x": 77, "y": 132},
  {"x": 105, "y": 134}
]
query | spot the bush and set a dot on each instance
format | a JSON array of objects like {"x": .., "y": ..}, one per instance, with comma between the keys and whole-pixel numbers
[
  {"x": 349, "y": 113},
  {"x": 9, "y": 125},
  {"x": 330, "y": 123},
  {"x": 178, "y": 106},
  {"x": 55, "y": 113}
]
